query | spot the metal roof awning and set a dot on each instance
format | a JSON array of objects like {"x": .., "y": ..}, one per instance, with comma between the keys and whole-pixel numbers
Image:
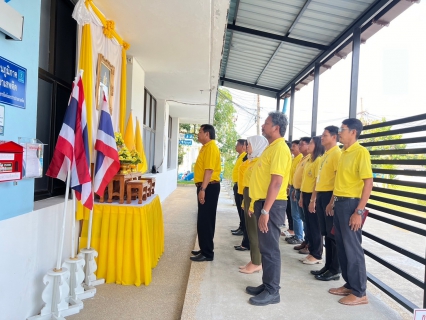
[{"x": 270, "y": 45}]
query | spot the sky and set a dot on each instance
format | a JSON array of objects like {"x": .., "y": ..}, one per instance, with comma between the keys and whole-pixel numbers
[{"x": 392, "y": 82}]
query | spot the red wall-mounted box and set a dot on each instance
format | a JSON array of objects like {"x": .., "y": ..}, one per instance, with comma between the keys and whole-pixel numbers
[{"x": 10, "y": 161}]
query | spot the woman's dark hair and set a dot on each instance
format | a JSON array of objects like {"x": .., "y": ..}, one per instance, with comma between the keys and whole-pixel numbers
[
  {"x": 319, "y": 148},
  {"x": 242, "y": 142}
]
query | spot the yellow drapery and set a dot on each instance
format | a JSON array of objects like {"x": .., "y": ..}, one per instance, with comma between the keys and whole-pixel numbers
[
  {"x": 129, "y": 135},
  {"x": 109, "y": 24},
  {"x": 86, "y": 63},
  {"x": 128, "y": 239}
]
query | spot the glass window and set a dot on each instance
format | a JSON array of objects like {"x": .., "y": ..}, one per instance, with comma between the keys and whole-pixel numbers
[{"x": 147, "y": 110}]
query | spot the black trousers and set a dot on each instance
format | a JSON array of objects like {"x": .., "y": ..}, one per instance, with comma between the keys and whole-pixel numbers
[
  {"x": 206, "y": 220},
  {"x": 312, "y": 229},
  {"x": 349, "y": 249},
  {"x": 289, "y": 216},
  {"x": 269, "y": 244},
  {"x": 238, "y": 202},
  {"x": 326, "y": 224}
]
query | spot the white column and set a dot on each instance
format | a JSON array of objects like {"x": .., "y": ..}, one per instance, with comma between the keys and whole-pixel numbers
[
  {"x": 135, "y": 90},
  {"x": 161, "y": 135},
  {"x": 175, "y": 141}
]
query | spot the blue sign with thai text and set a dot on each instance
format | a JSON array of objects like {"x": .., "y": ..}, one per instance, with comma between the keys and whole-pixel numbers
[
  {"x": 13, "y": 84},
  {"x": 189, "y": 136},
  {"x": 185, "y": 142}
]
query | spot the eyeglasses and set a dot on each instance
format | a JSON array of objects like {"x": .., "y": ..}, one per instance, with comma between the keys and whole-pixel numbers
[
  {"x": 342, "y": 129},
  {"x": 301, "y": 144}
]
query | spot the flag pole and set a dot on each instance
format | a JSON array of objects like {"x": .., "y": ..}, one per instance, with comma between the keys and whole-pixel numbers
[
  {"x": 73, "y": 226},
  {"x": 61, "y": 242},
  {"x": 89, "y": 228}
]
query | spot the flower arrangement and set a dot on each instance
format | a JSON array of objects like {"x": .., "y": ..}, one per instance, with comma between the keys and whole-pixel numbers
[
  {"x": 119, "y": 139},
  {"x": 128, "y": 158},
  {"x": 124, "y": 155},
  {"x": 135, "y": 157}
]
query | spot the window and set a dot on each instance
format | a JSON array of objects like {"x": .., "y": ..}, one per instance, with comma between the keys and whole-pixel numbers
[
  {"x": 169, "y": 144},
  {"x": 57, "y": 56},
  {"x": 149, "y": 120}
]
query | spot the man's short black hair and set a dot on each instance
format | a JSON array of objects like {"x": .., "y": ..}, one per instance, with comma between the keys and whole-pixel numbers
[
  {"x": 305, "y": 139},
  {"x": 333, "y": 130},
  {"x": 210, "y": 129},
  {"x": 354, "y": 124},
  {"x": 242, "y": 142},
  {"x": 295, "y": 142}
]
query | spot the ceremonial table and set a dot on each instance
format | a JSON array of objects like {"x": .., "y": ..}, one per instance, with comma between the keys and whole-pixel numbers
[
  {"x": 121, "y": 180},
  {"x": 129, "y": 239}
]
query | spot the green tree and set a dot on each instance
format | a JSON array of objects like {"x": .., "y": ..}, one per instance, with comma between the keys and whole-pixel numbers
[
  {"x": 392, "y": 166},
  {"x": 365, "y": 122},
  {"x": 226, "y": 134}
]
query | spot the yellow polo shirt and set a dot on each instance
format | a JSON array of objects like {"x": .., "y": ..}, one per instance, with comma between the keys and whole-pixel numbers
[
  {"x": 208, "y": 158},
  {"x": 354, "y": 166},
  {"x": 241, "y": 171},
  {"x": 294, "y": 164},
  {"x": 276, "y": 159},
  {"x": 310, "y": 173},
  {"x": 237, "y": 166},
  {"x": 298, "y": 173},
  {"x": 249, "y": 171},
  {"x": 327, "y": 169}
]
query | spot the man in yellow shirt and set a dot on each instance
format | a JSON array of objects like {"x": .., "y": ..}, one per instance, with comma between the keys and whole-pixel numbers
[
  {"x": 268, "y": 193},
  {"x": 298, "y": 214},
  {"x": 324, "y": 191},
  {"x": 352, "y": 188},
  {"x": 207, "y": 180},
  {"x": 297, "y": 225},
  {"x": 240, "y": 147}
]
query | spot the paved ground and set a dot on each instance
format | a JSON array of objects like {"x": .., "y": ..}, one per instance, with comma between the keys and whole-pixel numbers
[
  {"x": 216, "y": 290},
  {"x": 164, "y": 297}
]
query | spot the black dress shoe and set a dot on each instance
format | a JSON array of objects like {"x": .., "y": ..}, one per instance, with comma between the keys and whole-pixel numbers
[
  {"x": 235, "y": 230},
  {"x": 254, "y": 291},
  {"x": 241, "y": 248},
  {"x": 200, "y": 258},
  {"x": 238, "y": 233},
  {"x": 235, "y": 247},
  {"x": 196, "y": 252},
  {"x": 264, "y": 298},
  {"x": 327, "y": 276},
  {"x": 317, "y": 272}
]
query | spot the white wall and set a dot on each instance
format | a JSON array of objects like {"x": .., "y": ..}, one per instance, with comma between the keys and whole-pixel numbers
[
  {"x": 135, "y": 91},
  {"x": 28, "y": 249},
  {"x": 161, "y": 135}
]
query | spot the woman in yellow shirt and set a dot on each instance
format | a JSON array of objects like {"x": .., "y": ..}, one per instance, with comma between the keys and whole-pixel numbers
[
  {"x": 255, "y": 147},
  {"x": 308, "y": 196}
]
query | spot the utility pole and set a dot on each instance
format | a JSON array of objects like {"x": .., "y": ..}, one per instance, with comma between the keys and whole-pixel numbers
[{"x": 258, "y": 115}]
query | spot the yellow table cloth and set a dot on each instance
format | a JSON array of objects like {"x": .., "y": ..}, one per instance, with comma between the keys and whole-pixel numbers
[{"x": 129, "y": 239}]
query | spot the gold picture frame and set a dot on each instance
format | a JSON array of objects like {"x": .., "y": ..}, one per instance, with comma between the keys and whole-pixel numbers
[{"x": 105, "y": 75}]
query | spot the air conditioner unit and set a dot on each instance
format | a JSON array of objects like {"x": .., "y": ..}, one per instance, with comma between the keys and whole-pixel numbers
[{"x": 11, "y": 21}]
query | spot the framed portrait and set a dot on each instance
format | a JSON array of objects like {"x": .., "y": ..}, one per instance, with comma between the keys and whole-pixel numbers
[{"x": 104, "y": 78}]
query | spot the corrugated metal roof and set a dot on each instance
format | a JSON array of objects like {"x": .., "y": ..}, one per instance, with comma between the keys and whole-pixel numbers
[{"x": 269, "y": 44}]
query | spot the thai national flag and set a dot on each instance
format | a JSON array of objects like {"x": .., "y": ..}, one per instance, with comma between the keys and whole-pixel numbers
[
  {"x": 107, "y": 162},
  {"x": 73, "y": 147}
]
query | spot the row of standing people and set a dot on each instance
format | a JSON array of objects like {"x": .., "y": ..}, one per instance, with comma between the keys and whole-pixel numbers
[
  {"x": 329, "y": 189},
  {"x": 263, "y": 183}
]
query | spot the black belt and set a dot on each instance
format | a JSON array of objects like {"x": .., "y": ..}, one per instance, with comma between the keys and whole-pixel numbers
[
  {"x": 198, "y": 184},
  {"x": 343, "y": 198}
]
